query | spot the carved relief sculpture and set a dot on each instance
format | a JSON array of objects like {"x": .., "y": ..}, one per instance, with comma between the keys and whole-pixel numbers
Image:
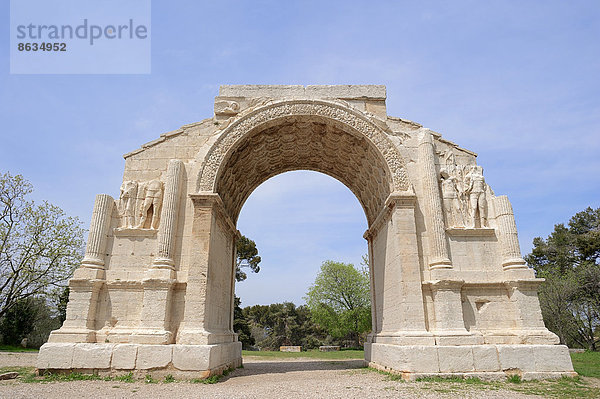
[
  {"x": 465, "y": 193},
  {"x": 127, "y": 200},
  {"x": 476, "y": 188},
  {"x": 150, "y": 208},
  {"x": 227, "y": 108},
  {"x": 452, "y": 205}
]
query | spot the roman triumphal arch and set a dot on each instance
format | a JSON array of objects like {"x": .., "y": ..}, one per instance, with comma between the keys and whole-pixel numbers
[{"x": 450, "y": 291}]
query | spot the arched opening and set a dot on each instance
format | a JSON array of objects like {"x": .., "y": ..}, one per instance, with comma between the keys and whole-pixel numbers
[
  {"x": 305, "y": 143},
  {"x": 242, "y": 159},
  {"x": 298, "y": 220},
  {"x": 287, "y": 136}
]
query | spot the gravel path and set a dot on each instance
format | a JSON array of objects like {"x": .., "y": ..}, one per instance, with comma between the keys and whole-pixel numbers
[
  {"x": 260, "y": 378},
  {"x": 21, "y": 359}
]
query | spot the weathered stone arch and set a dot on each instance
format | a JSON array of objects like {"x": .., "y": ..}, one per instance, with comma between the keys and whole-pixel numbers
[
  {"x": 342, "y": 132},
  {"x": 450, "y": 292}
]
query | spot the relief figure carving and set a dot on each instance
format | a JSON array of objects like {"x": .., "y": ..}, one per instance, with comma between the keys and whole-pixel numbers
[
  {"x": 227, "y": 107},
  {"x": 149, "y": 210},
  {"x": 465, "y": 193},
  {"x": 452, "y": 205},
  {"x": 127, "y": 199},
  {"x": 476, "y": 188}
]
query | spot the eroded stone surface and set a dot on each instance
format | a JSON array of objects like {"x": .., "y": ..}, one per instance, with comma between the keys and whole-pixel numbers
[
  {"x": 55, "y": 356},
  {"x": 92, "y": 356},
  {"x": 124, "y": 356},
  {"x": 154, "y": 356}
]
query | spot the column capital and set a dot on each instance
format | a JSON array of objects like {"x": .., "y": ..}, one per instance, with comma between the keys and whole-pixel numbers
[
  {"x": 401, "y": 199},
  {"x": 397, "y": 199},
  {"x": 214, "y": 201}
]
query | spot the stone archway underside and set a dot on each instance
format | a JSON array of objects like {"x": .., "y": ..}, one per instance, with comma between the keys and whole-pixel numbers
[{"x": 307, "y": 143}]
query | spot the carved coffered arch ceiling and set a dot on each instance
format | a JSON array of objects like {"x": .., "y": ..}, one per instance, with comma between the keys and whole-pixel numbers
[{"x": 303, "y": 135}]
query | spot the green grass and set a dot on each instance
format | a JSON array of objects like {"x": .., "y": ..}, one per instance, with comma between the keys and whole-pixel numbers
[
  {"x": 213, "y": 379},
  {"x": 13, "y": 348},
  {"x": 125, "y": 377},
  {"x": 566, "y": 387},
  {"x": 348, "y": 354},
  {"x": 18, "y": 369},
  {"x": 587, "y": 364},
  {"x": 25, "y": 373},
  {"x": 50, "y": 377}
]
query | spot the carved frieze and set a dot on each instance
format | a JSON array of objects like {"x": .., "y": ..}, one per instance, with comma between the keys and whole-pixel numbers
[
  {"x": 225, "y": 107},
  {"x": 140, "y": 204},
  {"x": 465, "y": 193},
  {"x": 255, "y": 118}
]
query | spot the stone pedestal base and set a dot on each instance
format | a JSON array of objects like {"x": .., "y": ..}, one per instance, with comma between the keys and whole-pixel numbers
[
  {"x": 181, "y": 361},
  {"x": 482, "y": 361},
  {"x": 72, "y": 335}
]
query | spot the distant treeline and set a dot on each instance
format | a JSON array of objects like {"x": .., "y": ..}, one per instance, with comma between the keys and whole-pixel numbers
[{"x": 267, "y": 327}]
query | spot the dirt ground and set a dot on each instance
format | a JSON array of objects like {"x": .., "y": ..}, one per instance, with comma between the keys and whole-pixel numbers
[{"x": 260, "y": 378}]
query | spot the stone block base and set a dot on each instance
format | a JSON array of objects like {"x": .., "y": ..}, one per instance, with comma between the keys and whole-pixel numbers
[
  {"x": 329, "y": 348},
  {"x": 482, "y": 361},
  {"x": 181, "y": 361},
  {"x": 289, "y": 348}
]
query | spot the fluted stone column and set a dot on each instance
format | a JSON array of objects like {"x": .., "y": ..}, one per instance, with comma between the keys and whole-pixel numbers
[
  {"x": 434, "y": 217},
  {"x": 79, "y": 325},
  {"x": 168, "y": 217},
  {"x": 96, "y": 245},
  {"x": 507, "y": 235}
]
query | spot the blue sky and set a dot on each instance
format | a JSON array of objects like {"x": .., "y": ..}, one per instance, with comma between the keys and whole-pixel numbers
[{"x": 518, "y": 82}]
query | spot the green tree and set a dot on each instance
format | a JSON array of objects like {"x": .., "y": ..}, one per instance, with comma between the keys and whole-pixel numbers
[
  {"x": 569, "y": 260},
  {"x": 247, "y": 256},
  {"x": 19, "y": 320},
  {"x": 39, "y": 245},
  {"x": 339, "y": 300},
  {"x": 32, "y": 318},
  {"x": 283, "y": 324},
  {"x": 61, "y": 304},
  {"x": 241, "y": 325}
]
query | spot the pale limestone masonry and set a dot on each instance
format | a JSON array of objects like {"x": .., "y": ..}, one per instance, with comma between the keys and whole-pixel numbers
[{"x": 450, "y": 292}]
